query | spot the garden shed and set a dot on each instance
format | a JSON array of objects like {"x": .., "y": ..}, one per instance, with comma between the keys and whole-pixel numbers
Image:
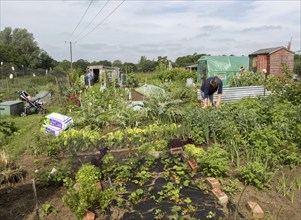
[
  {"x": 222, "y": 66},
  {"x": 272, "y": 60},
  {"x": 105, "y": 73}
]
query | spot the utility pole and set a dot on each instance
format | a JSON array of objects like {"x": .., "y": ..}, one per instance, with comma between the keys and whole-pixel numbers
[
  {"x": 2, "y": 70},
  {"x": 70, "y": 43}
]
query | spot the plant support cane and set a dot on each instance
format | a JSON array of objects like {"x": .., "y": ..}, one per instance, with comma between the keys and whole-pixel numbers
[{"x": 35, "y": 198}]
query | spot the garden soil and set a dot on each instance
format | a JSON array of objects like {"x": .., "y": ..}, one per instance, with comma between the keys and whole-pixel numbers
[{"x": 17, "y": 202}]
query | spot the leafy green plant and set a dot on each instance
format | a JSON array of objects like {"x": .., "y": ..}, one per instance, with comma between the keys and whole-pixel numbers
[
  {"x": 230, "y": 187},
  {"x": 86, "y": 197},
  {"x": 106, "y": 197},
  {"x": 54, "y": 174},
  {"x": 176, "y": 213},
  {"x": 171, "y": 190},
  {"x": 135, "y": 197},
  {"x": 142, "y": 177},
  {"x": 290, "y": 155},
  {"x": 214, "y": 162},
  {"x": 284, "y": 185},
  {"x": 163, "y": 109},
  {"x": 158, "y": 214},
  {"x": 193, "y": 152},
  {"x": 131, "y": 80},
  {"x": 47, "y": 209},
  {"x": 147, "y": 147},
  {"x": 247, "y": 79},
  {"x": 7, "y": 128},
  {"x": 257, "y": 174}
]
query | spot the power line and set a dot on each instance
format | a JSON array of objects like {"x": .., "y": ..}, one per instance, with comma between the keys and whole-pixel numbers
[
  {"x": 102, "y": 20},
  {"x": 81, "y": 19},
  {"x": 92, "y": 19}
]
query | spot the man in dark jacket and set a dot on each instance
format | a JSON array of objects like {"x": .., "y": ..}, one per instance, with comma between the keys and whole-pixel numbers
[{"x": 209, "y": 87}]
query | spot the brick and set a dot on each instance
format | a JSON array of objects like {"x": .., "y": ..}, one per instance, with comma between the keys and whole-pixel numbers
[
  {"x": 220, "y": 195},
  {"x": 176, "y": 150},
  {"x": 98, "y": 185},
  {"x": 213, "y": 183},
  {"x": 192, "y": 164},
  {"x": 255, "y": 210},
  {"x": 89, "y": 215}
]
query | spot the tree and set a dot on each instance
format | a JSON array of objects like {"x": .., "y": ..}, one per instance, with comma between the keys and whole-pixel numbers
[
  {"x": 27, "y": 48},
  {"x": 146, "y": 65},
  {"x": 102, "y": 62},
  {"x": 117, "y": 63},
  {"x": 128, "y": 67},
  {"x": 63, "y": 66},
  {"x": 81, "y": 65},
  {"x": 163, "y": 63},
  {"x": 46, "y": 61},
  {"x": 188, "y": 60},
  {"x": 19, "y": 47}
]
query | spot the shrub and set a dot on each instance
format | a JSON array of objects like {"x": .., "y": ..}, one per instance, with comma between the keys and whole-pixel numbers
[
  {"x": 255, "y": 173},
  {"x": 176, "y": 75},
  {"x": 54, "y": 174},
  {"x": 247, "y": 79},
  {"x": 214, "y": 162},
  {"x": 194, "y": 152},
  {"x": 7, "y": 129},
  {"x": 87, "y": 196}
]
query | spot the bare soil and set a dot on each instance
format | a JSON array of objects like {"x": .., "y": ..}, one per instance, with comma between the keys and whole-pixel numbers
[{"x": 17, "y": 202}]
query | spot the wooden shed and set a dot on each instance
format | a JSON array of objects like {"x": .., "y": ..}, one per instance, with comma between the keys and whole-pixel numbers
[
  {"x": 105, "y": 72},
  {"x": 272, "y": 60}
]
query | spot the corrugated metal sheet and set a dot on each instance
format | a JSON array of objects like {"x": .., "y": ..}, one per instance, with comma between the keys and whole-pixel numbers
[
  {"x": 265, "y": 51},
  {"x": 236, "y": 93}
]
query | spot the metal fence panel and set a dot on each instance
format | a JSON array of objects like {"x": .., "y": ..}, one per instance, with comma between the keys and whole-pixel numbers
[{"x": 236, "y": 93}]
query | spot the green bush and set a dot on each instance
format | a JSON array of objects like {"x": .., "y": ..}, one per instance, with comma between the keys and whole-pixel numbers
[
  {"x": 193, "y": 152},
  {"x": 247, "y": 79},
  {"x": 7, "y": 128},
  {"x": 54, "y": 174},
  {"x": 214, "y": 162},
  {"x": 256, "y": 174},
  {"x": 176, "y": 75},
  {"x": 87, "y": 195}
]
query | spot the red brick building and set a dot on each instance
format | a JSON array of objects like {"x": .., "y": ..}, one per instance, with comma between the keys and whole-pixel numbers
[{"x": 272, "y": 60}]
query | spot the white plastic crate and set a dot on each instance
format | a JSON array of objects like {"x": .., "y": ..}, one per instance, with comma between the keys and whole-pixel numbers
[
  {"x": 51, "y": 129},
  {"x": 58, "y": 120}
]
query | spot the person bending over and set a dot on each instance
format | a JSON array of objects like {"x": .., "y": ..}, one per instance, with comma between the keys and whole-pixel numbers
[{"x": 208, "y": 88}]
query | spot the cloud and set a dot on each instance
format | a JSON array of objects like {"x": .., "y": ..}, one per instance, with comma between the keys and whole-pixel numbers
[
  {"x": 156, "y": 28},
  {"x": 262, "y": 28}
]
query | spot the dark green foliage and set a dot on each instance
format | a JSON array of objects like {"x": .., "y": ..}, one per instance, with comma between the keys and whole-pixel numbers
[
  {"x": 87, "y": 195},
  {"x": 256, "y": 174},
  {"x": 7, "y": 129},
  {"x": 214, "y": 162},
  {"x": 188, "y": 60},
  {"x": 176, "y": 75},
  {"x": 247, "y": 79},
  {"x": 131, "y": 81},
  {"x": 163, "y": 109},
  {"x": 54, "y": 174}
]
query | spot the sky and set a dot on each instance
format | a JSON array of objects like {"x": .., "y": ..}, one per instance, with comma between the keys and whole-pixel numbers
[{"x": 125, "y": 30}]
